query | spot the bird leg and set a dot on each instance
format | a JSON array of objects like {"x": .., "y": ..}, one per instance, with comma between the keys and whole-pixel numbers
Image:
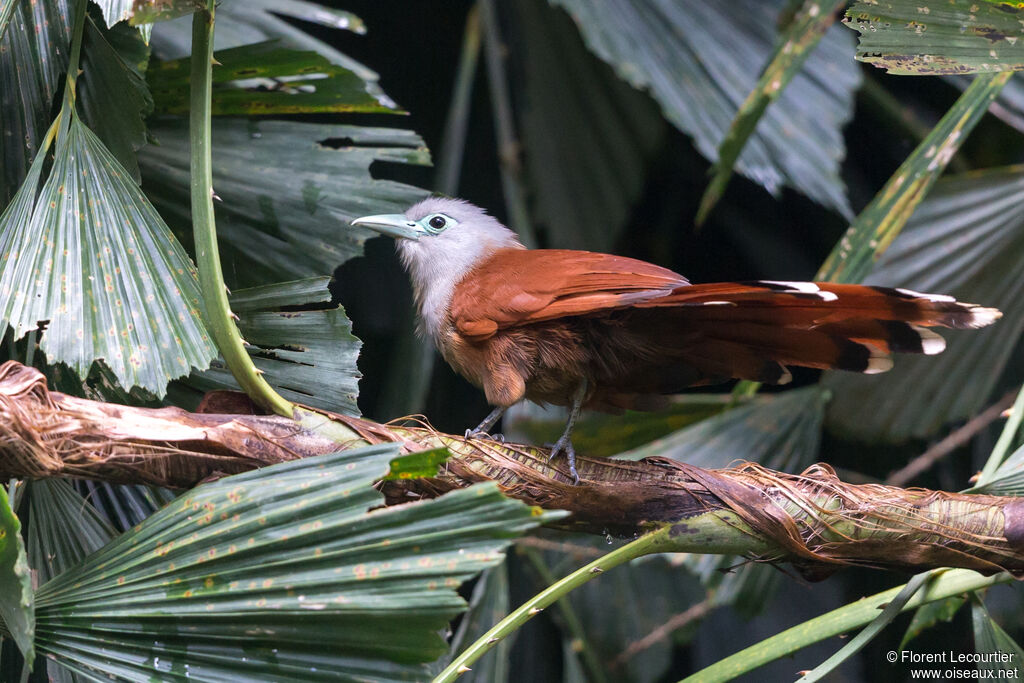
[
  {"x": 564, "y": 443},
  {"x": 482, "y": 429}
]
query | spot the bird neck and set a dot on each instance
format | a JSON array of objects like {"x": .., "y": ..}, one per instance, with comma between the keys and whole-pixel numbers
[{"x": 435, "y": 276}]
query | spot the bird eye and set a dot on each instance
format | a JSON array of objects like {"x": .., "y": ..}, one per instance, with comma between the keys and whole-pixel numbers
[{"x": 438, "y": 222}]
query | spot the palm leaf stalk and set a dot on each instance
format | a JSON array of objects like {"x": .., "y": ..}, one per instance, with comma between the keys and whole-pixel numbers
[
  {"x": 813, "y": 519},
  {"x": 211, "y": 277}
]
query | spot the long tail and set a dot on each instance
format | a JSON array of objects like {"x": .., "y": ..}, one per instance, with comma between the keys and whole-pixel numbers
[{"x": 753, "y": 330}]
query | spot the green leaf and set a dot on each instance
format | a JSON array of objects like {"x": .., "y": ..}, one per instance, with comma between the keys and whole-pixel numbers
[
  {"x": 63, "y": 527},
  {"x": 948, "y": 37},
  {"x": 780, "y": 431},
  {"x": 417, "y": 465},
  {"x": 858, "y": 613},
  {"x": 966, "y": 240},
  {"x": 585, "y": 160},
  {"x": 289, "y": 573},
  {"x": 6, "y": 12},
  {"x": 308, "y": 356},
  {"x": 1000, "y": 453},
  {"x": 124, "y": 505},
  {"x": 1009, "y": 106},
  {"x": 146, "y": 11},
  {"x": 265, "y": 78},
  {"x": 1008, "y": 479},
  {"x": 928, "y": 616},
  {"x": 871, "y": 631},
  {"x": 279, "y": 295},
  {"x": 256, "y": 20},
  {"x": 794, "y": 46},
  {"x": 701, "y": 77},
  {"x": 33, "y": 57},
  {"x": 881, "y": 221},
  {"x": 114, "y": 97},
  {"x": 132, "y": 49},
  {"x": 66, "y": 524},
  {"x": 603, "y": 435},
  {"x": 288, "y": 191},
  {"x": 990, "y": 639},
  {"x": 16, "y": 607},
  {"x": 92, "y": 257}
]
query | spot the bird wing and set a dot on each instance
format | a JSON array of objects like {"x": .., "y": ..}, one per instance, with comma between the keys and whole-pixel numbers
[
  {"x": 727, "y": 329},
  {"x": 517, "y": 287}
]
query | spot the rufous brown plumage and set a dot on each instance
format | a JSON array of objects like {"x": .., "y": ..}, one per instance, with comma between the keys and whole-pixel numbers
[{"x": 589, "y": 330}]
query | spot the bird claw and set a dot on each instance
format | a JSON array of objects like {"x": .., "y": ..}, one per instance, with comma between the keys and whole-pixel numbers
[
  {"x": 480, "y": 434},
  {"x": 564, "y": 445}
]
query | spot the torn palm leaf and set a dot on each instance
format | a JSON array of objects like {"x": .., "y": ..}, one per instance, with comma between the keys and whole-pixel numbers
[
  {"x": 946, "y": 37},
  {"x": 90, "y": 261},
  {"x": 287, "y": 191},
  {"x": 308, "y": 356},
  {"x": 701, "y": 77}
]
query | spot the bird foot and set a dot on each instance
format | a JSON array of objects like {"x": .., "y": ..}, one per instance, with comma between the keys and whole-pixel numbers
[
  {"x": 564, "y": 445},
  {"x": 481, "y": 434}
]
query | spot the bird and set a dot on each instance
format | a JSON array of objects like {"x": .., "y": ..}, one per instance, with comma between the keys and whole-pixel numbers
[{"x": 596, "y": 331}]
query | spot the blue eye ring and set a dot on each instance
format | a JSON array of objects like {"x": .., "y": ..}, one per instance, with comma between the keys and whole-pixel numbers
[{"x": 438, "y": 223}]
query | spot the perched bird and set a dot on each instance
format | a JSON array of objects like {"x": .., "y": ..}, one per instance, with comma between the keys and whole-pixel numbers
[{"x": 588, "y": 330}]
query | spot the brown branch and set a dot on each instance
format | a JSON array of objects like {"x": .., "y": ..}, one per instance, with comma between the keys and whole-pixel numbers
[
  {"x": 671, "y": 625},
  {"x": 812, "y": 519},
  {"x": 957, "y": 438}
]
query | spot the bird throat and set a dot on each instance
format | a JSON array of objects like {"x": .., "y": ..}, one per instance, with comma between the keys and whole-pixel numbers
[{"x": 435, "y": 266}]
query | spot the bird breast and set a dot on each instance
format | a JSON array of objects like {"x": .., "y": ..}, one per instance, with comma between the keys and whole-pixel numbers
[{"x": 436, "y": 265}]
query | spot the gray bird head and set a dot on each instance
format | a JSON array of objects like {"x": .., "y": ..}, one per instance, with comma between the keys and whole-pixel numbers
[
  {"x": 440, "y": 240},
  {"x": 433, "y": 217},
  {"x": 441, "y": 234}
]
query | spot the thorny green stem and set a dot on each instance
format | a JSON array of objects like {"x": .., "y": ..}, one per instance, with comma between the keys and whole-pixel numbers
[
  {"x": 61, "y": 124},
  {"x": 204, "y": 226},
  {"x": 76, "y": 50},
  {"x": 650, "y": 543}
]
